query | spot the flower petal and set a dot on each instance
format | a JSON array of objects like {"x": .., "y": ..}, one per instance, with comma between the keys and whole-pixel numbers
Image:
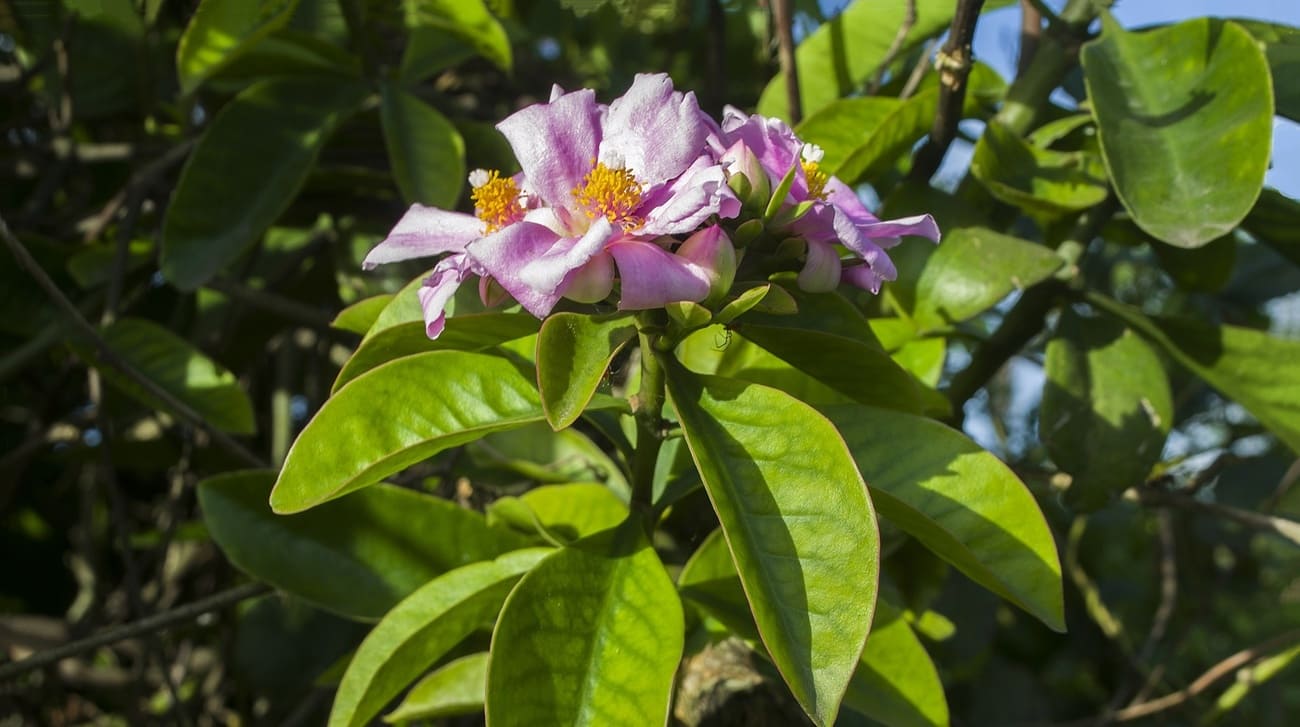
[
  {"x": 555, "y": 143},
  {"x": 547, "y": 272},
  {"x": 438, "y": 288},
  {"x": 685, "y": 203},
  {"x": 885, "y": 233},
  {"x": 652, "y": 277},
  {"x": 655, "y": 131},
  {"x": 505, "y": 252},
  {"x": 843, "y": 198},
  {"x": 821, "y": 271},
  {"x": 775, "y": 145},
  {"x": 591, "y": 283},
  {"x": 423, "y": 232},
  {"x": 870, "y": 276}
]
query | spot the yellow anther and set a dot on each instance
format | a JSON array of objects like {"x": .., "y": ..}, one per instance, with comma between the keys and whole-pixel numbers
[
  {"x": 612, "y": 193},
  {"x": 817, "y": 179},
  {"x": 496, "y": 199}
]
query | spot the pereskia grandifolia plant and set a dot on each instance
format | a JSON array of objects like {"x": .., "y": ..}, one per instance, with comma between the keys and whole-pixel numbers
[{"x": 716, "y": 250}]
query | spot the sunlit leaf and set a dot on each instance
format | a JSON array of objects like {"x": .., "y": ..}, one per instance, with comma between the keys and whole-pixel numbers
[
  {"x": 573, "y": 353},
  {"x": 222, "y": 29},
  {"x": 425, "y": 151}
]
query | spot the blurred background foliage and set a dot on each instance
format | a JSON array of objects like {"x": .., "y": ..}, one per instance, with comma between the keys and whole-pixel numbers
[{"x": 201, "y": 182}]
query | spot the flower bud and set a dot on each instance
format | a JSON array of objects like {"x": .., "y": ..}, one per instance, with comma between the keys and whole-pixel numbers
[
  {"x": 748, "y": 178},
  {"x": 713, "y": 252},
  {"x": 821, "y": 271}
]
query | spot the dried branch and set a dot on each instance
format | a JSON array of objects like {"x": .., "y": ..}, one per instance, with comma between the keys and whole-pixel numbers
[
  {"x": 110, "y": 357},
  {"x": 954, "y": 64},
  {"x": 784, "y": 19}
]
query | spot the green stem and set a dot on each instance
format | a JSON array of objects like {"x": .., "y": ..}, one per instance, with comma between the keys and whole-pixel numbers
[
  {"x": 649, "y": 413},
  {"x": 1057, "y": 52}
]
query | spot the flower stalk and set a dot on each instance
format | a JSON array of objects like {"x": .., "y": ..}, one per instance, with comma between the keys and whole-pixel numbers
[{"x": 648, "y": 411}]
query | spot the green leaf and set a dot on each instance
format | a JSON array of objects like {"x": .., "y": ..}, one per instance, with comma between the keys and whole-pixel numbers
[
  {"x": 423, "y": 628},
  {"x": 1158, "y": 97},
  {"x": 573, "y": 353},
  {"x": 425, "y": 151},
  {"x": 398, "y": 414},
  {"x": 965, "y": 275},
  {"x": 563, "y": 513},
  {"x": 1275, "y": 220},
  {"x": 766, "y": 297},
  {"x": 429, "y": 50},
  {"x": 840, "y": 127},
  {"x": 591, "y": 636},
  {"x": 895, "y": 682},
  {"x": 1106, "y": 408},
  {"x": 221, "y": 30},
  {"x": 1037, "y": 179},
  {"x": 960, "y": 501},
  {"x": 357, "y": 556},
  {"x": 1282, "y": 49},
  {"x": 798, "y": 522},
  {"x": 539, "y": 453},
  {"x": 287, "y": 51},
  {"x": 715, "y": 351},
  {"x": 468, "y": 20},
  {"x": 877, "y": 151},
  {"x": 178, "y": 368},
  {"x": 1250, "y": 367},
  {"x": 245, "y": 171},
  {"x": 361, "y": 315},
  {"x": 919, "y": 356},
  {"x": 1204, "y": 269},
  {"x": 845, "y": 52},
  {"x": 453, "y": 690},
  {"x": 474, "y": 332},
  {"x": 1250, "y": 677}
]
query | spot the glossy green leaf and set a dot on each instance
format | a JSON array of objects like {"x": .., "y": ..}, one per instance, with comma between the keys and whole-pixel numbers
[
  {"x": 1275, "y": 220},
  {"x": 1249, "y": 678},
  {"x": 1282, "y": 49},
  {"x": 591, "y": 636},
  {"x": 358, "y": 556},
  {"x": 919, "y": 356},
  {"x": 798, "y": 521},
  {"x": 1037, "y": 179},
  {"x": 245, "y": 171},
  {"x": 423, "y": 628},
  {"x": 573, "y": 353},
  {"x": 361, "y": 315},
  {"x": 452, "y": 690},
  {"x": 960, "y": 502},
  {"x": 716, "y": 351},
  {"x": 766, "y": 298},
  {"x": 398, "y": 414},
  {"x": 286, "y": 52},
  {"x": 429, "y": 50},
  {"x": 875, "y": 152},
  {"x": 561, "y": 513},
  {"x": 840, "y": 127},
  {"x": 1106, "y": 408},
  {"x": 473, "y": 332},
  {"x": 845, "y": 52},
  {"x": 895, "y": 682},
  {"x": 1158, "y": 97},
  {"x": 425, "y": 151},
  {"x": 468, "y": 20},
  {"x": 179, "y": 368},
  {"x": 538, "y": 453},
  {"x": 965, "y": 275},
  {"x": 222, "y": 29},
  {"x": 1250, "y": 367}
]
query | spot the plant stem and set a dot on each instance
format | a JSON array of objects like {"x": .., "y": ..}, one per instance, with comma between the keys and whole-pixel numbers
[
  {"x": 649, "y": 408},
  {"x": 1057, "y": 52}
]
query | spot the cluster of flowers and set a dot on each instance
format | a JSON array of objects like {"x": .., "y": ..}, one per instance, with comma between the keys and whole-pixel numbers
[{"x": 635, "y": 200}]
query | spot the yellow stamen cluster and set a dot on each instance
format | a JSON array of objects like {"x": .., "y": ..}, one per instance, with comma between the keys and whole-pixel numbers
[
  {"x": 817, "y": 179},
  {"x": 496, "y": 200},
  {"x": 613, "y": 193}
]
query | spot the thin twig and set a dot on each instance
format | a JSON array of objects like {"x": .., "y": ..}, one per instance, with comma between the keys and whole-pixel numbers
[
  {"x": 895, "y": 46},
  {"x": 110, "y": 357},
  {"x": 1031, "y": 29},
  {"x": 148, "y": 625},
  {"x": 1283, "y": 485},
  {"x": 94, "y": 226},
  {"x": 784, "y": 19},
  {"x": 954, "y": 63},
  {"x": 918, "y": 71},
  {"x": 286, "y": 308},
  {"x": 1288, "y": 530}
]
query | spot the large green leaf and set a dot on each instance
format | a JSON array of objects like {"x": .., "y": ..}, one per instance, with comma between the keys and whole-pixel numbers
[
  {"x": 573, "y": 353},
  {"x": 538, "y": 453},
  {"x": 422, "y": 629},
  {"x": 398, "y": 414},
  {"x": 358, "y": 556},
  {"x": 178, "y": 368},
  {"x": 561, "y": 513},
  {"x": 716, "y": 351},
  {"x": 875, "y": 152},
  {"x": 960, "y": 501},
  {"x": 425, "y": 151},
  {"x": 222, "y": 29},
  {"x": 1250, "y": 367},
  {"x": 468, "y": 20},
  {"x": 473, "y": 332},
  {"x": 591, "y": 636},
  {"x": 1106, "y": 407},
  {"x": 799, "y": 523},
  {"x": 841, "y": 127},
  {"x": 361, "y": 315},
  {"x": 965, "y": 275},
  {"x": 895, "y": 682},
  {"x": 845, "y": 52},
  {"x": 1282, "y": 48},
  {"x": 1159, "y": 97},
  {"x": 455, "y": 689},
  {"x": 1037, "y": 179},
  {"x": 246, "y": 169}
]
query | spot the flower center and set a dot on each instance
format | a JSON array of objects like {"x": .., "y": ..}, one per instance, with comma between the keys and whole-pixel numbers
[
  {"x": 496, "y": 198},
  {"x": 610, "y": 192},
  {"x": 810, "y": 158}
]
